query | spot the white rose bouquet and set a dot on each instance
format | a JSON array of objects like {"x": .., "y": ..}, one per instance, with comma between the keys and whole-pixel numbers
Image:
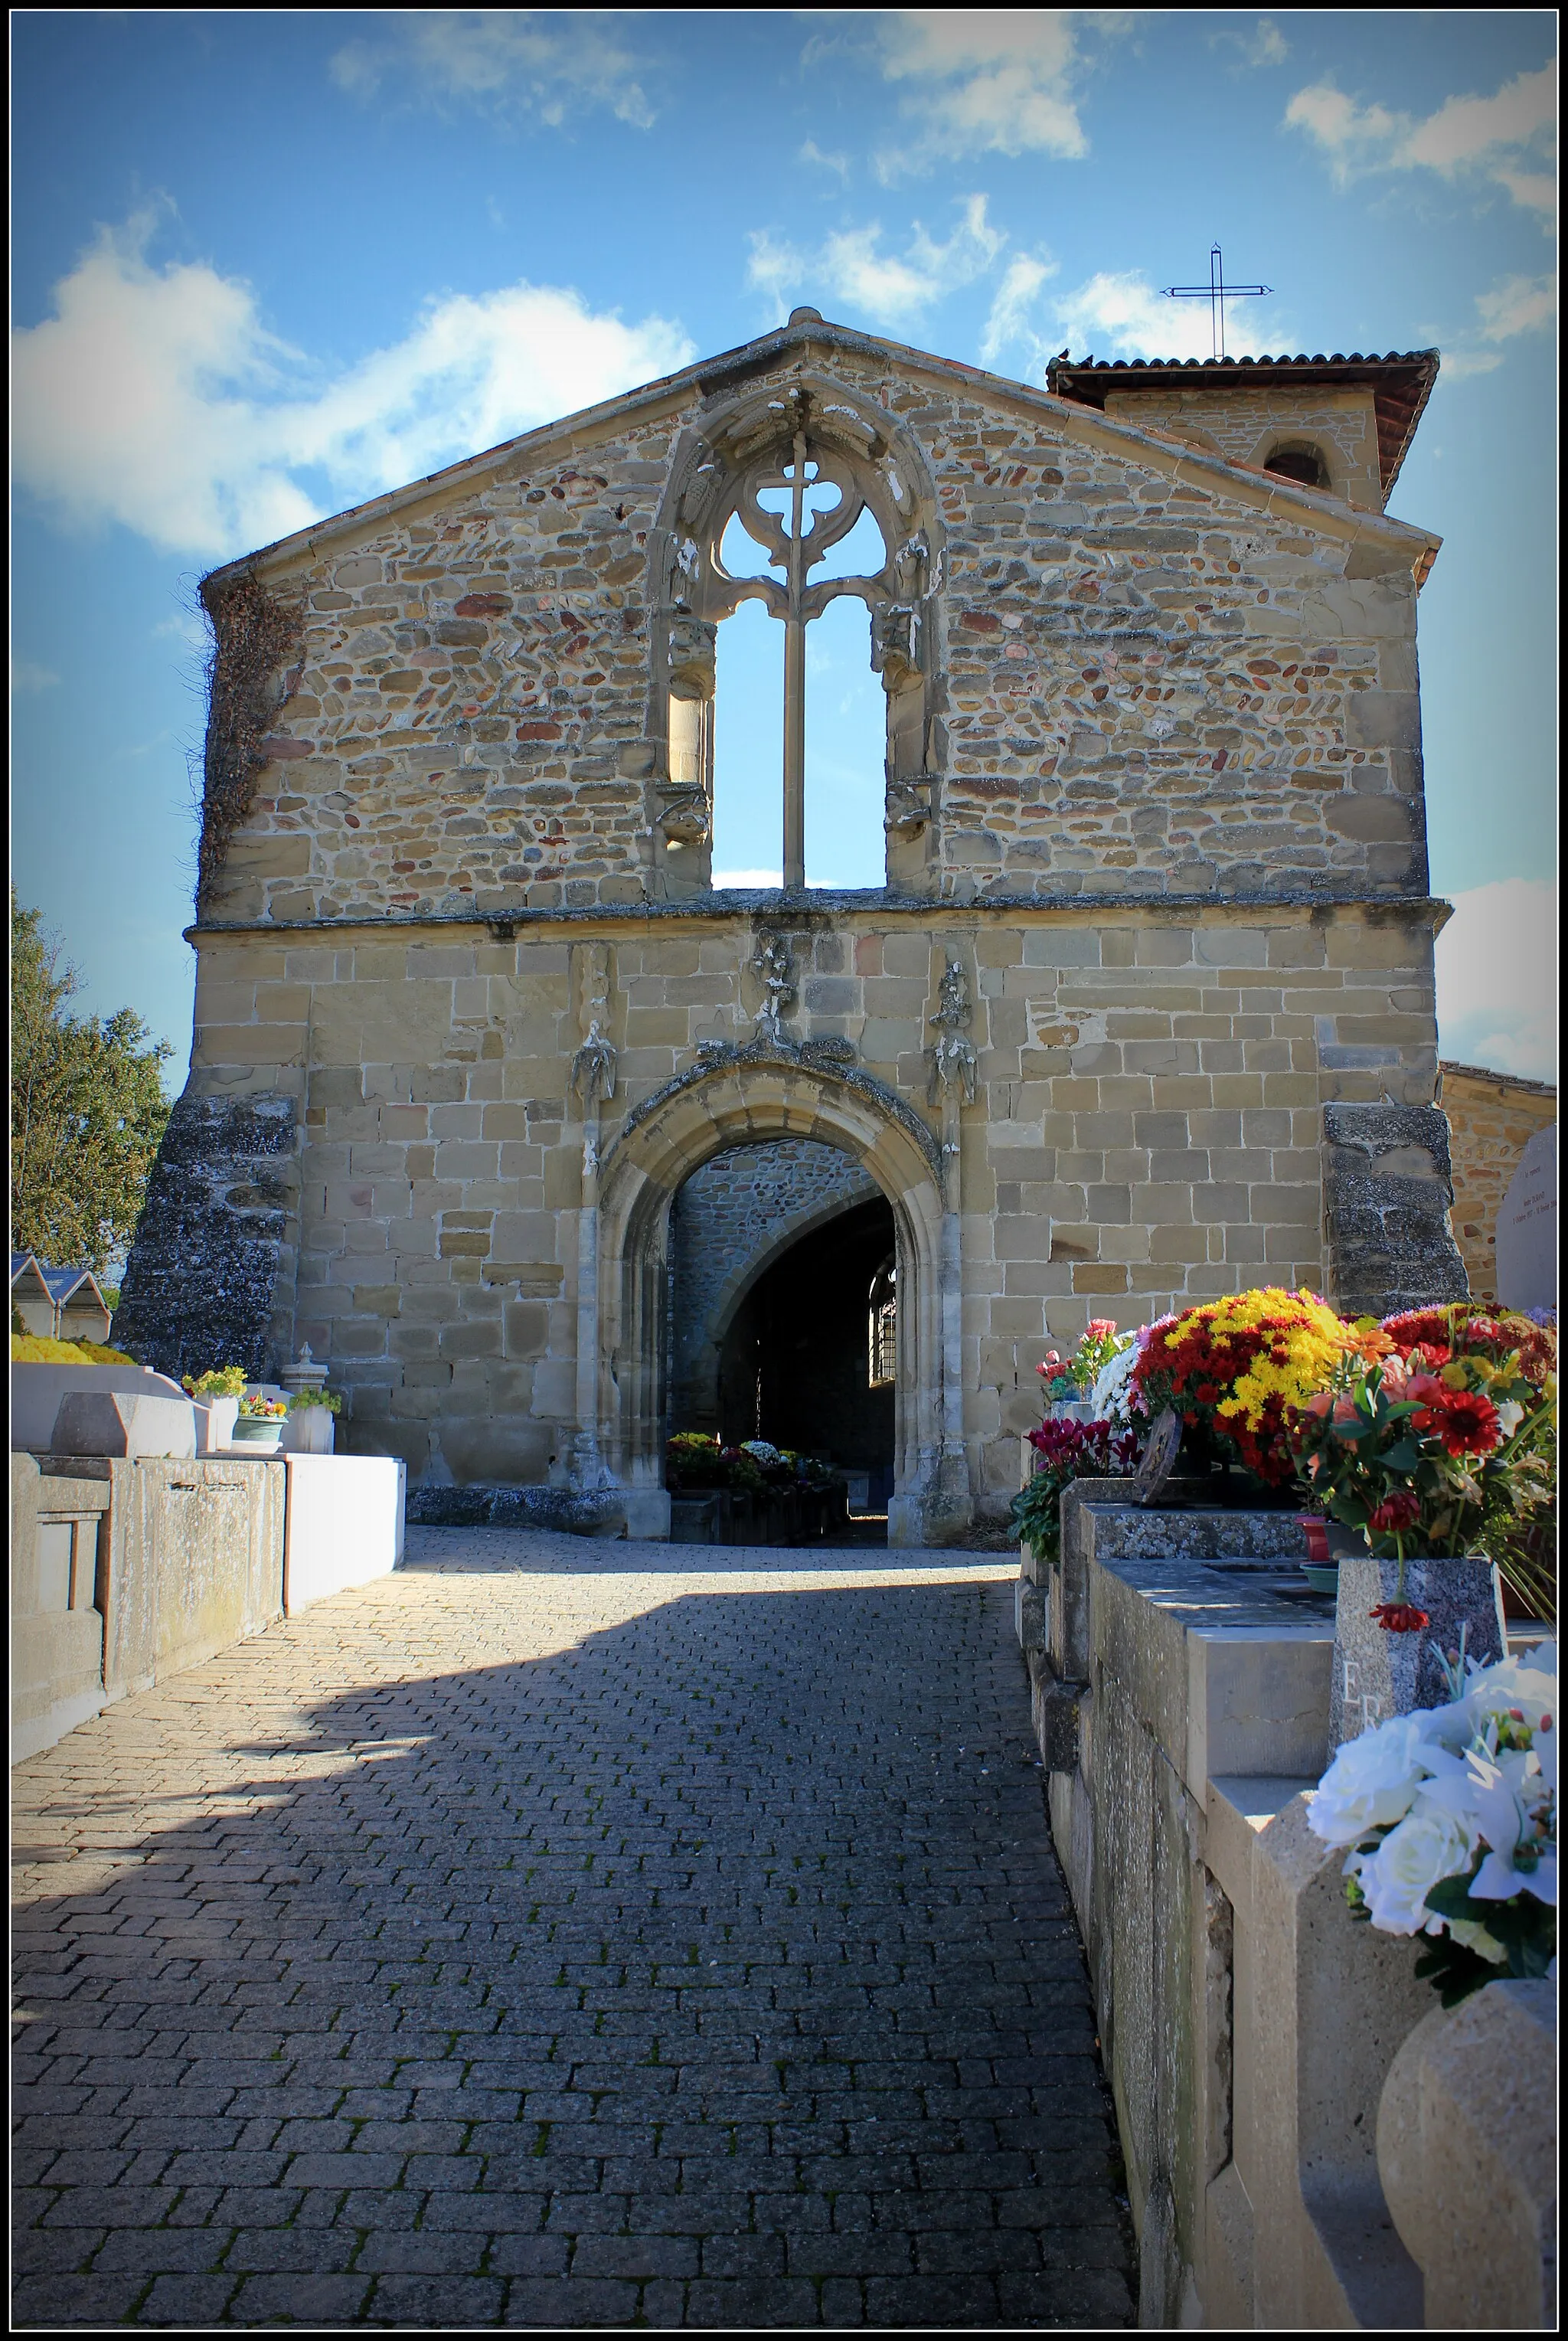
[{"x": 1452, "y": 1816}]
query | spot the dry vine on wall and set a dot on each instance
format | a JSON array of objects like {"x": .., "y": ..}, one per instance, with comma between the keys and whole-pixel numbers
[{"x": 255, "y": 636}]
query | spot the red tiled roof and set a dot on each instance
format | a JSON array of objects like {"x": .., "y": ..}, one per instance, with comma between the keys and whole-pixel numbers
[{"x": 1401, "y": 385}]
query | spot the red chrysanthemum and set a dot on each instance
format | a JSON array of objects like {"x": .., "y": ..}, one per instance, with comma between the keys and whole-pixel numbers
[
  {"x": 1398, "y": 1511},
  {"x": 1399, "y": 1616},
  {"x": 1464, "y": 1421}
]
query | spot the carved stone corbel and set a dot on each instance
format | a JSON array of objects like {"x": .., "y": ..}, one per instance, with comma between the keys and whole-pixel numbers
[
  {"x": 910, "y": 806},
  {"x": 895, "y": 644},
  {"x": 692, "y": 656}
]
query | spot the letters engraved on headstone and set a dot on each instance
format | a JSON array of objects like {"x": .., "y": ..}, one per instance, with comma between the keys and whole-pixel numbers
[{"x": 1527, "y": 1229}]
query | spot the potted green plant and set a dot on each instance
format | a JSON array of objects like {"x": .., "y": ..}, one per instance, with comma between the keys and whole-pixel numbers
[
  {"x": 310, "y": 1429},
  {"x": 219, "y": 1392}
]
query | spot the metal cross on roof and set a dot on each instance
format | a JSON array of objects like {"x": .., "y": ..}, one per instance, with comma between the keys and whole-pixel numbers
[{"x": 1216, "y": 293}]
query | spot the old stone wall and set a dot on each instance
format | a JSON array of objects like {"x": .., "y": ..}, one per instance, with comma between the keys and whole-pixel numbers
[
  {"x": 1152, "y": 676},
  {"x": 731, "y": 1216},
  {"x": 1491, "y": 1118},
  {"x": 1147, "y": 1128},
  {"x": 1246, "y": 426},
  {"x": 214, "y": 1242}
]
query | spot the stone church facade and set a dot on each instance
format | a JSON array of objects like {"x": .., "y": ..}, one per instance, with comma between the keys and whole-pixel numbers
[{"x": 1144, "y": 1013}]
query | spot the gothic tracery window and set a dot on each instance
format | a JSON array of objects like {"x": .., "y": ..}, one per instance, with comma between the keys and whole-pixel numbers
[{"x": 797, "y": 504}]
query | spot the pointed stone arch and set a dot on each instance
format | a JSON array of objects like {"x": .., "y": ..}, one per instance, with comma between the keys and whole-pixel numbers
[{"x": 743, "y": 1101}]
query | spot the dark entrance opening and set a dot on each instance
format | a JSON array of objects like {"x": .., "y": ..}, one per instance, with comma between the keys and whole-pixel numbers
[{"x": 804, "y": 1361}]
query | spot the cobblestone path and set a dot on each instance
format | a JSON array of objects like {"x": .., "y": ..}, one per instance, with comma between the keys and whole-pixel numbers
[{"x": 567, "y": 1934}]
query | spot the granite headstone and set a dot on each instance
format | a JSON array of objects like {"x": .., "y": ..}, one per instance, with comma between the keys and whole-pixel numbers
[{"x": 1378, "y": 1674}]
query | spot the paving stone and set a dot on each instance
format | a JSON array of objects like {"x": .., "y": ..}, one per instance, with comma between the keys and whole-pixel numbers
[
  {"x": 94, "y": 2300},
  {"x": 196, "y": 2300},
  {"x": 600, "y": 1943},
  {"x": 310, "y": 2300}
]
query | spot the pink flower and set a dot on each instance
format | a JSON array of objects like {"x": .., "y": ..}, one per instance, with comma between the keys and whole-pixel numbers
[{"x": 1345, "y": 1410}]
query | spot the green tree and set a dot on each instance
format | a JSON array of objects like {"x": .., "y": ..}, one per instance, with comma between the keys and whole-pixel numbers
[{"x": 87, "y": 1111}]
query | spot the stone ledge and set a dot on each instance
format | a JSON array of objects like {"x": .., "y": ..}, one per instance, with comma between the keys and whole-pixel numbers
[{"x": 821, "y": 906}]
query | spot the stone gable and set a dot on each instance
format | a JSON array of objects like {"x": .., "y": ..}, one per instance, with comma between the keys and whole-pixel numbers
[{"x": 1149, "y": 677}]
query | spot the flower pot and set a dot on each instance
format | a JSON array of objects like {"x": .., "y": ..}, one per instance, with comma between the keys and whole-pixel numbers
[
  {"x": 310, "y": 1430},
  {"x": 259, "y": 1433},
  {"x": 222, "y": 1414},
  {"x": 1378, "y": 1673}
]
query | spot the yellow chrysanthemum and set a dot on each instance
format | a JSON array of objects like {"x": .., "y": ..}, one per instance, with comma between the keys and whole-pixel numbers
[{"x": 42, "y": 1350}]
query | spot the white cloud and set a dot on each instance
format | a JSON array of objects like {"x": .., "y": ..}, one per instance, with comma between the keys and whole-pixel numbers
[
  {"x": 1516, "y": 305},
  {"x": 1263, "y": 45},
  {"x": 987, "y": 82},
  {"x": 1536, "y": 190},
  {"x": 1499, "y": 135},
  {"x": 837, "y": 164},
  {"x": 27, "y": 674},
  {"x": 1466, "y": 129},
  {"x": 878, "y": 287},
  {"x": 1458, "y": 366},
  {"x": 155, "y": 397},
  {"x": 1009, "y": 318},
  {"x": 503, "y": 60},
  {"x": 1497, "y": 978}
]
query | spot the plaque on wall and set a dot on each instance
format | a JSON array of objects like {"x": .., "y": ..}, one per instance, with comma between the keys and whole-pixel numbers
[{"x": 1157, "y": 1460}]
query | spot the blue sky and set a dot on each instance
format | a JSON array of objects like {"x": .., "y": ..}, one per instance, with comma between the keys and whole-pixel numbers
[{"x": 267, "y": 265}]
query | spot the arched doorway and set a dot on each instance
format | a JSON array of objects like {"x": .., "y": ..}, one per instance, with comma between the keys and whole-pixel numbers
[
  {"x": 798, "y": 1364},
  {"x": 732, "y": 1103}
]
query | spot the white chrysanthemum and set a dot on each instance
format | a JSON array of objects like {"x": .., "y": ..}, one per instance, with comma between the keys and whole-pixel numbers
[{"x": 1111, "y": 1397}]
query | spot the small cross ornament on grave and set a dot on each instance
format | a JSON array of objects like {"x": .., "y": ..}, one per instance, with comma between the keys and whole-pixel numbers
[{"x": 1216, "y": 293}]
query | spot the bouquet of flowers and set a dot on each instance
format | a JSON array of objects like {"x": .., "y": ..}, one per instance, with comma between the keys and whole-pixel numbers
[
  {"x": 1450, "y": 1814},
  {"x": 1072, "y": 1378},
  {"x": 1437, "y": 1435},
  {"x": 1237, "y": 1371},
  {"x": 693, "y": 1460},
  {"x": 1115, "y": 1396},
  {"x": 1069, "y": 1451},
  {"x": 264, "y": 1409}
]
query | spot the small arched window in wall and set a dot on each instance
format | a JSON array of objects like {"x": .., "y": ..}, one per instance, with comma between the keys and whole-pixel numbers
[
  {"x": 794, "y": 501},
  {"x": 883, "y": 1326},
  {"x": 1300, "y": 460}
]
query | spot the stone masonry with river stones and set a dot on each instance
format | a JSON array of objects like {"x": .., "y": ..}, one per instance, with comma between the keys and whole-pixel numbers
[{"x": 1144, "y": 1013}]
